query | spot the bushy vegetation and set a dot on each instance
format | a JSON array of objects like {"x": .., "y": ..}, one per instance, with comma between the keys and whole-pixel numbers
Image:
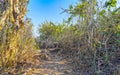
[
  {"x": 93, "y": 42},
  {"x": 17, "y": 44}
]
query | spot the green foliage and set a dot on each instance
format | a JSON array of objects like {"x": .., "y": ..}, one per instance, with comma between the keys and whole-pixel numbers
[
  {"x": 102, "y": 12},
  {"x": 111, "y": 3},
  {"x": 49, "y": 29}
]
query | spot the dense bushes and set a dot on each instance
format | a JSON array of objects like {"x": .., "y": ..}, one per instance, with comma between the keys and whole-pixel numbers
[
  {"x": 93, "y": 41},
  {"x": 61, "y": 33}
]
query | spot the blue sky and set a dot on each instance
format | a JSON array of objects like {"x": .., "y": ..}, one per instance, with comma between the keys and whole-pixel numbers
[{"x": 42, "y": 10}]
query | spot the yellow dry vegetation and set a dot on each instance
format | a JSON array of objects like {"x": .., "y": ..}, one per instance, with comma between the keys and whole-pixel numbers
[{"x": 16, "y": 45}]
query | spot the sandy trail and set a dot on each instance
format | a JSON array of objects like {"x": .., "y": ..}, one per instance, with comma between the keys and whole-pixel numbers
[{"x": 54, "y": 66}]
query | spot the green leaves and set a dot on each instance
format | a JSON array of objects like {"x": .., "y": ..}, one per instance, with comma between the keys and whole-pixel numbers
[
  {"x": 70, "y": 7},
  {"x": 111, "y": 3},
  {"x": 69, "y": 19},
  {"x": 102, "y": 12},
  {"x": 118, "y": 29},
  {"x": 118, "y": 26}
]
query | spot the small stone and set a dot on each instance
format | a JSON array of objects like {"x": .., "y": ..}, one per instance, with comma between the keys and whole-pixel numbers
[
  {"x": 45, "y": 74},
  {"x": 66, "y": 71}
]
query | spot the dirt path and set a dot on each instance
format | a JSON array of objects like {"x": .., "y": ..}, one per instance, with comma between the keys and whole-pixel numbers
[{"x": 54, "y": 66}]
